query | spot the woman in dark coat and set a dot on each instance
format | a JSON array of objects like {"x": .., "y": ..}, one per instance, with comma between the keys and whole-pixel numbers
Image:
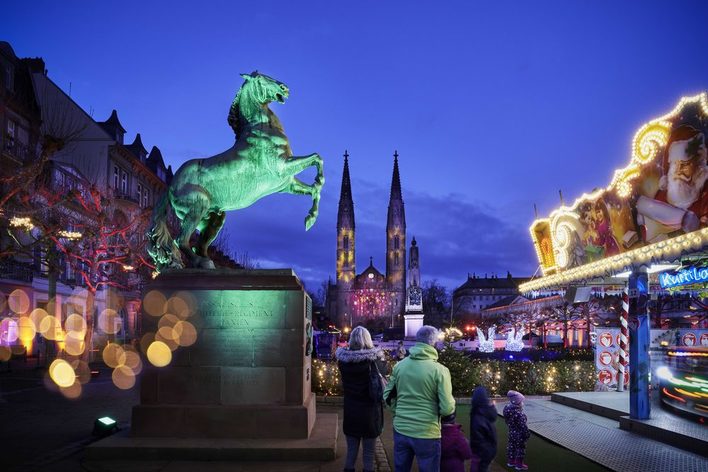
[
  {"x": 483, "y": 431},
  {"x": 363, "y": 411}
]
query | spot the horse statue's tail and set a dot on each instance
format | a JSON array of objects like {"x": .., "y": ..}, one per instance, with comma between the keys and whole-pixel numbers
[{"x": 161, "y": 246}]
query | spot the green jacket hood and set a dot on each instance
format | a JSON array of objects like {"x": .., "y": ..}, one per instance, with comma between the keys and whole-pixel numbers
[{"x": 423, "y": 351}]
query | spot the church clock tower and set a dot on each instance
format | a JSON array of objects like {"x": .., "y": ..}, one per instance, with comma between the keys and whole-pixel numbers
[{"x": 396, "y": 243}]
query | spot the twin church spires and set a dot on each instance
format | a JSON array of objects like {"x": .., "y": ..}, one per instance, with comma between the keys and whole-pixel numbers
[{"x": 394, "y": 283}]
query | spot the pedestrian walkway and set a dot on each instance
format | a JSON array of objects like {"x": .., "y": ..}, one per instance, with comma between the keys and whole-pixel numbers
[{"x": 601, "y": 440}]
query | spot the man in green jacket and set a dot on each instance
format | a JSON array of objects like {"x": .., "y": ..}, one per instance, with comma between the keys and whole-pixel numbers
[{"x": 419, "y": 393}]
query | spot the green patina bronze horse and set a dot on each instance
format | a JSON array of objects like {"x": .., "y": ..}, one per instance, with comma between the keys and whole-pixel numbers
[{"x": 258, "y": 164}]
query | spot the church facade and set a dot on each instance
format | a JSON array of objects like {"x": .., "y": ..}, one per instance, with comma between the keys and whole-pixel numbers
[{"x": 371, "y": 298}]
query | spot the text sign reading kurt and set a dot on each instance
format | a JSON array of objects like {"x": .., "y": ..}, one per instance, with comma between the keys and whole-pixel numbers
[{"x": 690, "y": 275}]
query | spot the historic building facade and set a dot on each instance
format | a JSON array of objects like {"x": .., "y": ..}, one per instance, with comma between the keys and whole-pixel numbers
[
  {"x": 127, "y": 178},
  {"x": 470, "y": 299},
  {"x": 370, "y": 298}
]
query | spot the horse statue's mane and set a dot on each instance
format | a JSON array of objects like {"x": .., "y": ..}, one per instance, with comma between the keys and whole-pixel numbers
[{"x": 202, "y": 190}]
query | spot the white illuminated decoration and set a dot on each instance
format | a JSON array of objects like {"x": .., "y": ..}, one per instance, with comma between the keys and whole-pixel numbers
[
  {"x": 486, "y": 344},
  {"x": 73, "y": 235},
  {"x": 24, "y": 223},
  {"x": 513, "y": 340}
]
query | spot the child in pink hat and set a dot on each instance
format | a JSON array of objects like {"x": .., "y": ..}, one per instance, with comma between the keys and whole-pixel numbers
[{"x": 518, "y": 430}]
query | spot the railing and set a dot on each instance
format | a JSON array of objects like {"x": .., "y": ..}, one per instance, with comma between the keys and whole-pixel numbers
[
  {"x": 128, "y": 198},
  {"x": 13, "y": 270},
  {"x": 15, "y": 149}
]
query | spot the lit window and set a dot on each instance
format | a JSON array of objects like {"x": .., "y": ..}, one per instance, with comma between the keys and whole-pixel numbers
[{"x": 11, "y": 129}]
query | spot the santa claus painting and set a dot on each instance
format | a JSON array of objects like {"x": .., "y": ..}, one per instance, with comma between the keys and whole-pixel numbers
[{"x": 681, "y": 202}]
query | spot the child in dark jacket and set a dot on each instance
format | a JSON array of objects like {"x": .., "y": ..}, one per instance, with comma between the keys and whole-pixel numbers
[
  {"x": 483, "y": 431},
  {"x": 454, "y": 450},
  {"x": 518, "y": 430}
]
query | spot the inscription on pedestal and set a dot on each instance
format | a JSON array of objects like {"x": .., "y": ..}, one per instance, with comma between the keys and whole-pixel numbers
[{"x": 242, "y": 310}]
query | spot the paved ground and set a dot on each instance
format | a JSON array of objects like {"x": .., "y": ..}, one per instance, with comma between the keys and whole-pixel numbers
[{"x": 601, "y": 440}]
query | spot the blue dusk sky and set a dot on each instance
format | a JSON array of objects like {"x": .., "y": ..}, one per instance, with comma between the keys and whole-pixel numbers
[{"x": 492, "y": 106}]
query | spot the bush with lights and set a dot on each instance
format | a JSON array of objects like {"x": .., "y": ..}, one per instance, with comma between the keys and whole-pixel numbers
[{"x": 531, "y": 378}]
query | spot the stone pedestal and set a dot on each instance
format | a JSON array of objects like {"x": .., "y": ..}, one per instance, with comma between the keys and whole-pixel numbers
[
  {"x": 412, "y": 322},
  {"x": 248, "y": 374}
]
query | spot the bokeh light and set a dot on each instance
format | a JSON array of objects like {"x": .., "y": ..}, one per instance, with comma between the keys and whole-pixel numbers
[
  {"x": 182, "y": 304},
  {"x": 73, "y": 391},
  {"x": 75, "y": 323},
  {"x": 113, "y": 355},
  {"x": 8, "y": 331},
  {"x": 154, "y": 303},
  {"x": 133, "y": 362},
  {"x": 50, "y": 328},
  {"x": 37, "y": 315},
  {"x": 26, "y": 330},
  {"x": 159, "y": 354},
  {"x": 123, "y": 377},
  {"x": 145, "y": 341},
  {"x": 83, "y": 371},
  {"x": 18, "y": 301},
  {"x": 74, "y": 343},
  {"x": 62, "y": 373},
  {"x": 110, "y": 321},
  {"x": 186, "y": 333}
]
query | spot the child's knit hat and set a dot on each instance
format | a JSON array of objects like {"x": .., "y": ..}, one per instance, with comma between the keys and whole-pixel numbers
[{"x": 515, "y": 397}]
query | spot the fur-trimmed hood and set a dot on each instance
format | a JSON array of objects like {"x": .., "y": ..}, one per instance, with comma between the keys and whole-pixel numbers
[{"x": 346, "y": 355}]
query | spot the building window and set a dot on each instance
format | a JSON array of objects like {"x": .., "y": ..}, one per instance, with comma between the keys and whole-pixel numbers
[
  {"x": 346, "y": 243},
  {"x": 396, "y": 242},
  {"x": 8, "y": 77},
  {"x": 395, "y": 258},
  {"x": 124, "y": 182},
  {"x": 146, "y": 197},
  {"x": 115, "y": 177},
  {"x": 140, "y": 194},
  {"x": 11, "y": 130}
]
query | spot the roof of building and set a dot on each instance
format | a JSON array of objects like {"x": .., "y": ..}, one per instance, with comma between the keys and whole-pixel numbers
[
  {"x": 493, "y": 282},
  {"x": 137, "y": 148},
  {"x": 396, "y": 193},
  {"x": 503, "y": 302},
  {"x": 112, "y": 124}
]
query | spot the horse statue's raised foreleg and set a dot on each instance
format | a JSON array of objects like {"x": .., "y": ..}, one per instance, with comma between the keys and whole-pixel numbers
[{"x": 294, "y": 166}]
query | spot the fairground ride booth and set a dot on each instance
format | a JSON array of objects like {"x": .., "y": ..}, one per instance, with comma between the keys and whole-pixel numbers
[{"x": 644, "y": 238}]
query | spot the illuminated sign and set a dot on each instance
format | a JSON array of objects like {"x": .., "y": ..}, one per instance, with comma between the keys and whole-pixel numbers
[{"x": 691, "y": 275}]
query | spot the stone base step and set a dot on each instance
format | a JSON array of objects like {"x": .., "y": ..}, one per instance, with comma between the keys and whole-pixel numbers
[{"x": 320, "y": 446}]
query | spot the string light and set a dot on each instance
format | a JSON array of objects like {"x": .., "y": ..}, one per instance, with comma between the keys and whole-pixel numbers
[
  {"x": 21, "y": 222},
  {"x": 72, "y": 235}
]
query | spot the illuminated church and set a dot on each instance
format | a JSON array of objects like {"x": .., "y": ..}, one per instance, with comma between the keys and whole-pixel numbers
[{"x": 371, "y": 298}]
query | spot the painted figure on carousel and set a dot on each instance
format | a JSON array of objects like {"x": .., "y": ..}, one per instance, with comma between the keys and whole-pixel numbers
[{"x": 681, "y": 202}]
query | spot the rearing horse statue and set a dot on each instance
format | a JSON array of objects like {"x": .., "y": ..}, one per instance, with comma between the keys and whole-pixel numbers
[{"x": 258, "y": 164}]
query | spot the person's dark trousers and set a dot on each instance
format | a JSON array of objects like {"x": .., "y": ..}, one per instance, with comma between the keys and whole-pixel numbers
[
  {"x": 426, "y": 451},
  {"x": 353, "y": 451}
]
